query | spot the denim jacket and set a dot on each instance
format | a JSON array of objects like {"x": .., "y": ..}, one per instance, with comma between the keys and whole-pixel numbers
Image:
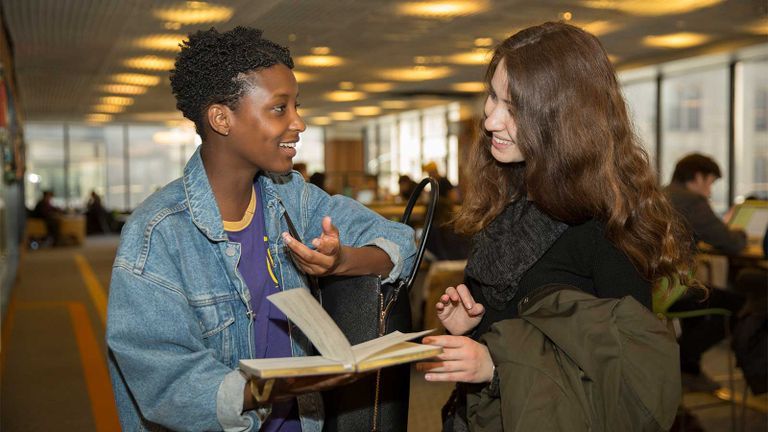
[{"x": 179, "y": 317}]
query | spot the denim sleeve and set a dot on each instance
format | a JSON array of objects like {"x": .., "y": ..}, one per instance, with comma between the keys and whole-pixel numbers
[
  {"x": 359, "y": 226},
  {"x": 174, "y": 380}
]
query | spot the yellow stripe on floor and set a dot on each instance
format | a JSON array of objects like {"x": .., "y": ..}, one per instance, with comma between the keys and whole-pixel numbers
[
  {"x": 95, "y": 369},
  {"x": 94, "y": 287}
]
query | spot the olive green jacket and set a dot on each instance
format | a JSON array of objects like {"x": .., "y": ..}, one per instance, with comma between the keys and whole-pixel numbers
[{"x": 574, "y": 362}]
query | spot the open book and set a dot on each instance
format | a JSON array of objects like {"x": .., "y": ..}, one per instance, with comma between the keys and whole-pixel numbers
[{"x": 337, "y": 355}]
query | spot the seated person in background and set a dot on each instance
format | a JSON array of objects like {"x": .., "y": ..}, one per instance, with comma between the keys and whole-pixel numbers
[
  {"x": 406, "y": 186},
  {"x": 44, "y": 209},
  {"x": 198, "y": 258},
  {"x": 447, "y": 189},
  {"x": 318, "y": 179},
  {"x": 689, "y": 194},
  {"x": 96, "y": 216}
]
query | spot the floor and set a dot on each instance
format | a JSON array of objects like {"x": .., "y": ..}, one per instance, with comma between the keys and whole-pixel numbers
[{"x": 53, "y": 373}]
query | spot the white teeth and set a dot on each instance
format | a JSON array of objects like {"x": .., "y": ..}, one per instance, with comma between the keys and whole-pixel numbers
[
  {"x": 288, "y": 145},
  {"x": 502, "y": 141}
]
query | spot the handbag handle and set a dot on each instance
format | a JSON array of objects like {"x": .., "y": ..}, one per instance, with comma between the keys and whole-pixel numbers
[{"x": 434, "y": 193}]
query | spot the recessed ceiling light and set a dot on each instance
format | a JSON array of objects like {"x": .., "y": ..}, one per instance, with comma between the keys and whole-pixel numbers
[
  {"x": 651, "y": 7},
  {"x": 110, "y": 109},
  {"x": 123, "y": 89},
  {"x": 599, "y": 28},
  {"x": 476, "y": 57},
  {"x": 344, "y": 96},
  {"x": 194, "y": 12},
  {"x": 319, "y": 61},
  {"x": 98, "y": 118},
  {"x": 759, "y": 26},
  {"x": 442, "y": 9},
  {"x": 483, "y": 42},
  {"x": 346, "y": 85},
  {"x": 161, "y": 42},
  {"x": 419, "y": 73},
  {"x": 364, "y": 111},
  {"x": 136, "y": 79},
  {"x": 469, "y": 87},
  {"x": 150, "y": 62},
  {"x": 321, "y": 121},
  {"x": 566, "y": 16},
  {"x": 676, "y": 40},
  {"x": 376, "y": 87},
  {"x": 320, "y": 50},
  {"x": 302, "y": 76},
  {"x": 394, "y": 104},
  {"x": 116, "y": 100},
  {"x": 342, "y": 115}
]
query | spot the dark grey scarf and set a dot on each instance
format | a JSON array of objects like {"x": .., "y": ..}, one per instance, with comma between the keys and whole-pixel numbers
[{"x": 508, "y": 247}]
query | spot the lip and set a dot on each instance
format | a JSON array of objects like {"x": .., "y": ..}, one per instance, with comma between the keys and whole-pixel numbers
[{"x": 500, "y": 145}]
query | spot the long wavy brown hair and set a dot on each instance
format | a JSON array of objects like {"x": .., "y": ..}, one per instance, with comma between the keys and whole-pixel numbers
[{"x": 582, "y": 159}]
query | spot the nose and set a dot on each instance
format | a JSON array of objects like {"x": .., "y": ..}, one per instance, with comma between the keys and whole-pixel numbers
[
  {"x": 493, "y": 121},
  {"x": 298, "y": 123}
]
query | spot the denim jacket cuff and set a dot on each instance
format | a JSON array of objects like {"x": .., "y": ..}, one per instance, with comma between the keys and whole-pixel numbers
[
  {"x": 393, "y": 250},
  {"x": 229, "y": 405}
]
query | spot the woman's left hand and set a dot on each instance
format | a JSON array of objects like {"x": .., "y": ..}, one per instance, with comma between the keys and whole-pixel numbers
[
  {"x": 327, "y": 256},
  {"x": 463, "y": 360}
]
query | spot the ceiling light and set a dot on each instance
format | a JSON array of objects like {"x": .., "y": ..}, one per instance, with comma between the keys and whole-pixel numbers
[
  {"x": 194, "y": 12},
  {"x": 651, "y": 7},
  {"x": 613, "y": 59},
  {"x": 759, "y": 27},
  {"x": 566, "y": 16},
  {"x": 320, "y": 50},
  {"x": 442, "y": 9},
  {"x": 157, "y": 116},
  {"x": 116, "y": 100},
  {"x": 110, "y": 109},
  {"x": 344, "y": 96},
  {"x": 394, "y": 104},
  {"x": 346, "y": 85},
  {"x": 303, "y": 76},
  {"x": 150, "y": 62},
  {"x": 161, "y": 42},
  {"x": 123, "y": 89},
  {"x": 321, "y": 121},
  {"x": 676, "y": 40},
  {"x": 599, "y": 28},
  {"x": 483, "y": 42},
  {"x": 136, "y": 79},
  {"x": 469, "y": 87},
  {"x": 376, "y": 87},
  {"x": 98, "y": 118},
  {"x": 364, "y": 111},
  {"x": 475, "y": 57},
  {"x": 418, "y": 73},
  {"x": 319, "y": 61},
  {"x": 342, "y": 115},
  {"x": 172, "y": 26}
]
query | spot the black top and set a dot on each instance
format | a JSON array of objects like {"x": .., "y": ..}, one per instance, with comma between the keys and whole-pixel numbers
[{"x": 581, "y": 257}]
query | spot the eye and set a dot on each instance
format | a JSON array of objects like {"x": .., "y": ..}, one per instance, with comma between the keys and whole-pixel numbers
[{"x": 279, "y": 109}]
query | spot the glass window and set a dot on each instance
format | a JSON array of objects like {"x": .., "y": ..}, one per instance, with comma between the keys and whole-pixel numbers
[
  {"x": 751, "y": 152},
  {"x": 409, "y": 144},
  {"x": 311, "y": 149},
  {"x": 641, "y": 105},
  {"x": 115, "y": 193},
  {"x": 157, "y": 156},
  {"x": 435, "y": 129},
  {"x": 45, "y": 162},
  {"x": 87, "y": 157},
  {"x": 695, "y": 119}
]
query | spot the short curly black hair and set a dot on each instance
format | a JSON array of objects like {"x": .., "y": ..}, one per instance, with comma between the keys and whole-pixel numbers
[{"x": 210, "y": 67}]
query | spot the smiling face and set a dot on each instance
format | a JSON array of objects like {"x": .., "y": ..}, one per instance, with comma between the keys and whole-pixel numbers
[
  {"x": 264, "y": 127},
  {"x": 499, "y": 122}
]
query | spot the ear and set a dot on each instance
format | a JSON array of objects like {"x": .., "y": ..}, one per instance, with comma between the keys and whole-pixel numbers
[{"x": 219, "y": 118}]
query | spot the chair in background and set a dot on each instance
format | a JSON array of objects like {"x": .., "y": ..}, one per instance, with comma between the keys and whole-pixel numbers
[{"x": 663, "y": 299}]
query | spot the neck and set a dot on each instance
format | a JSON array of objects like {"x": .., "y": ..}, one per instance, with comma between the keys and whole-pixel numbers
[{"x": 230, "y": 181}]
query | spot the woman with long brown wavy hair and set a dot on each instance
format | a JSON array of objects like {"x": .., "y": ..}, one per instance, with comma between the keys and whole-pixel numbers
[{"x": 559, "y": 192}]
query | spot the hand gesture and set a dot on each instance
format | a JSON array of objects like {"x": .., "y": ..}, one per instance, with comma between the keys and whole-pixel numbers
[
  {"x": 458, "y": 311},
  {"x": 325, "y": 258},
  {"x": 462, "y": 360}
]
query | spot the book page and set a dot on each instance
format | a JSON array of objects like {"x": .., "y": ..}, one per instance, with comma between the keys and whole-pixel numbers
[
  {"x": 366, "y": 349},
  {"x": 291, "y": 367},
  {"x": 404, "y": 352},
  {"x": 304, "y": 311}
]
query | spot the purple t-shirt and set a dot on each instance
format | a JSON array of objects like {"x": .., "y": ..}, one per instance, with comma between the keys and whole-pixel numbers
[{"x": 271, "y": 334}]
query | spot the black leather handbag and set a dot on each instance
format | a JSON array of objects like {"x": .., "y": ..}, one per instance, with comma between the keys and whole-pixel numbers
[{"x": 364, "y": 308}]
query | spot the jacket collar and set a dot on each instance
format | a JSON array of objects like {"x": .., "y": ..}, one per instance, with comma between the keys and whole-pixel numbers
[
  {"x": 540, "y": 293},
  {"x": 202, "y": 203}
]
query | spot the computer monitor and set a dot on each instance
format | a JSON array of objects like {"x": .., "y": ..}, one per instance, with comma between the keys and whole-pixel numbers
[{"x": 752, "y": 217}]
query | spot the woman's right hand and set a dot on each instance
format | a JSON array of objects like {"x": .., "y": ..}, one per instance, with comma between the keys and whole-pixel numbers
[{"x": 458, "y": 311}]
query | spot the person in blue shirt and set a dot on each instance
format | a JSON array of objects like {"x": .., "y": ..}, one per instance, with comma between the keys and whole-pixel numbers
[{"x": 197, "y": 259}]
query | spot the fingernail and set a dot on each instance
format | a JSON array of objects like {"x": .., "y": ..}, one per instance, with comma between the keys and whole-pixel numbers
[{"x": 428, "y": 377}]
